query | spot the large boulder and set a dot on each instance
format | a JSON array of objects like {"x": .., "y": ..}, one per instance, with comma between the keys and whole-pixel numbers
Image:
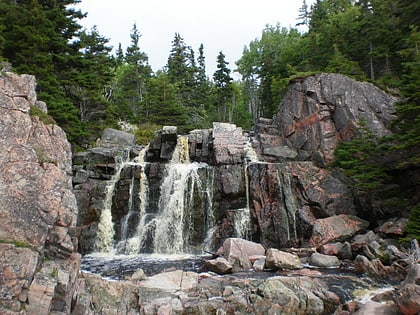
[
  {"x": 238, "y": 252},
  {"x": 320, "y": 260},
  {"x": 336, "y": 228},
  {"x": 284, "y": 198},
  {"x": 276, "y": 259}
]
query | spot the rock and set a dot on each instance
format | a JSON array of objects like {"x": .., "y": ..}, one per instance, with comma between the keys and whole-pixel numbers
[
  {"x": 38, "y": 263},
  {"x": 276, "y": 259},
  {"x": 283, "y": 152},
  {"x": 329, "y": 249},
  {"x": 138, "y": 275},
  {"x": 395, "y": 226},
  {"x": 237, "y": 251},
  {"x": 407, "y": 299},
  {"x": 171, "y": 281},
  {"x": 259, "y": 264},
  {"x": 362, "y": 240},
  {"x": 413, "y": 276},
  {"x": 112, "y": 138},
  {"x": 344, "y": 250},
  {"x": 228, "y": 143},
  {"x": 17, "y": 267},
  {"x": 219, "y": 265},
  {"x": 277, "y": 190},
  {"x": 373, "y": 268},
  {"x": 336, "y": 228},
  {"x": 319, "y": 111},
  {"x": 320, "y": 260},
  {"x": 371, "y": 307}
]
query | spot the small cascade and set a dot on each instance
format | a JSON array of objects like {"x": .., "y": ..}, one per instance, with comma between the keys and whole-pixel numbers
[
  {"x": 105, "y": 234},
  {"x": 130, "y": 242},
  {"x": 242, "y": 217}
]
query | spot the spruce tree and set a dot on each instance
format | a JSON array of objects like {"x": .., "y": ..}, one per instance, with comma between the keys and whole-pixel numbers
[{"x": 223, "y": 87}]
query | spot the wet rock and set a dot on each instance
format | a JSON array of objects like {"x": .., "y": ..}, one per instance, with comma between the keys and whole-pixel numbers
[
  {"x": 372, "y": 307},
  {"x": 336, "y": 228},
  {"x": 219, "y": 265},
  {"x": 320, "y": 260},
  {"x": 407, "y": 299},
  {"x": 237, "y": 251},
  {"x": 276, "y": 259}
]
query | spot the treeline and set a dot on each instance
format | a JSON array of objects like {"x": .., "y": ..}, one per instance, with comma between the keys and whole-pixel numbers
[{"x": 88, "y": 88}]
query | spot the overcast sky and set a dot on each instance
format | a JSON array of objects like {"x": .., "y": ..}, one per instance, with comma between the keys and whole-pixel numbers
[{"x": 220, "y": 25}]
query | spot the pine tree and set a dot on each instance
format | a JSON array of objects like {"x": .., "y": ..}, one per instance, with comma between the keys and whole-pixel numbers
[
  {"x": 130, "y": 83},
  {"x": 223, "y": 87},
  {"x": 37, "y": 39}
]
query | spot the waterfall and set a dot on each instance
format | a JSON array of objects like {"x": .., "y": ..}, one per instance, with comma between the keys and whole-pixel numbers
[
  {"x": 174, "y": 225},
  {"x": 105, "y": 235},
  {"x": 242, "y": 217},
  {"x": 132, "y": 244}
]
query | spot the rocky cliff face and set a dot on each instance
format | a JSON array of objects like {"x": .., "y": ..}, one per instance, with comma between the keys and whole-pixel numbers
[
  {"x": 38, "y": 263},
  {"x": 319, "y": 111}
]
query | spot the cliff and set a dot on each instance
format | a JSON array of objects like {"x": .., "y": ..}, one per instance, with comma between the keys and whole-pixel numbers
[{"x": 38, "y": 259}]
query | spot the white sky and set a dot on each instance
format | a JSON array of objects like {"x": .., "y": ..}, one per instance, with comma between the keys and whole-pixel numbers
[{"x": 221, "y": 25}]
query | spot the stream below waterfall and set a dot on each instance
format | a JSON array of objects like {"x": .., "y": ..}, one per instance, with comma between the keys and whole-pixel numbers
[{"x": 346, "y": 284}]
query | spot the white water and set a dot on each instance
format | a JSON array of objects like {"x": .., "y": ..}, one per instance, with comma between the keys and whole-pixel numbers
[
  {"x": 105, "y": 234},
  {"x": 173, "y": 226},
  {"x": 242, "y": 217},
  {"x": 132, "y": 245},
  {"x": 168, "y": 228}
]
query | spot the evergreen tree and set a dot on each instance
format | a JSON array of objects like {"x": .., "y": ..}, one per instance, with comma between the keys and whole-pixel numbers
[
  {"x": 92, "y": 73},
  {"x": 130, "y": 82},
  {"x": 223, "y": 87},
  {"x": 37, "y": 39},
  {"x": 163, "y": 105},
  {"x": 181, "y": 68}
]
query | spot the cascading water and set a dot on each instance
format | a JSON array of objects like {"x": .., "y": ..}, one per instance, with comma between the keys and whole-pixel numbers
[
  {"x": 105, "y": 234},
  {"x": 175, "y": 230},
  {"x": 132, "y": 243},
  {"x": 178, "y": 223},
  {"x": 242, "y": 217}
]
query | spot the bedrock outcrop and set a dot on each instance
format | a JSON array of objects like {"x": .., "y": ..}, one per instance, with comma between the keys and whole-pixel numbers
[
  {"x": 319, "y": 111},
  {"x": 38, "y": 259}
]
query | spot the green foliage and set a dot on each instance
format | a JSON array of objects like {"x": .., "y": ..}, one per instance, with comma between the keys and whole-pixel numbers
[
  {"x": 358, "y": 158},
  {"x": 145, "y": 133},
  {"x": 413, "y": 225},
  {"x": 44, "y": 117}
]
